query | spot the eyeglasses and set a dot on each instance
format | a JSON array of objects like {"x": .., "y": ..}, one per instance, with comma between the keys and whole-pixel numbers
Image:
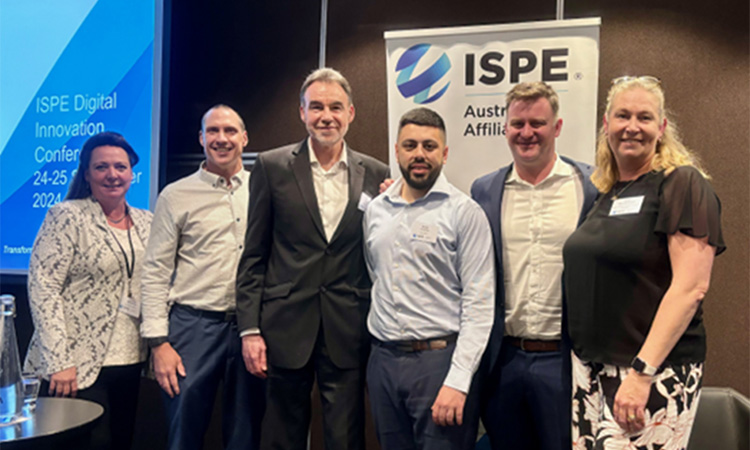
[{"x": 646, "y": 78}]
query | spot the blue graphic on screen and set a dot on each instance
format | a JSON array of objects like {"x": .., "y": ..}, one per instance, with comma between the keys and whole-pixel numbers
[
  {"x": 88, "y": 69},
  {"x": 420, "y": 85}
]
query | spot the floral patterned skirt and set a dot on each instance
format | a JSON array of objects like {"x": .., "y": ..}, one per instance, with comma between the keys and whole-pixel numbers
[{"x": 670, "y": 410}]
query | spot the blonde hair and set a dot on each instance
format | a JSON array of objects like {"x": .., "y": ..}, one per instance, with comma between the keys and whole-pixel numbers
[
  {"x": 532, "y": 91},
  {"x": 670, "y": 151}
]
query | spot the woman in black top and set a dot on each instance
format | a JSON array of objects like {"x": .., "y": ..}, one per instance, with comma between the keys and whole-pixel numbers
[{"x": 636, "y": 272}]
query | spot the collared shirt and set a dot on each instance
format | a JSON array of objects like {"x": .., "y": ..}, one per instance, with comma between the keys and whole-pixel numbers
[
  {"x": 536, "y": 221},
  {"x": 331, "y": 189},
  {"x": 196, "y": 241},
  {"x": 431, "y": 264}
]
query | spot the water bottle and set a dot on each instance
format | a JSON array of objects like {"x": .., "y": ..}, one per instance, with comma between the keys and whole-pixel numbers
[{"x": 11, "y": 383}]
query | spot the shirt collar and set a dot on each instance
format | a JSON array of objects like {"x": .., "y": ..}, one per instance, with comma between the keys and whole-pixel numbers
[
  {"x": 561, "y": 169},
  {"x": 441, "y": 187},
  {"x": 314, "y": 159},
  {"x": 238, "y": 179}
]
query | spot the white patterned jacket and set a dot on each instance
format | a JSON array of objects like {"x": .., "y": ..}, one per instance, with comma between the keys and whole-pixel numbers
[{"x": 77, "y": 277}]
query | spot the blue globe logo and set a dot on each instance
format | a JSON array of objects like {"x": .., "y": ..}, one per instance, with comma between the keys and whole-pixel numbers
[{"x": 419, "y": 87}]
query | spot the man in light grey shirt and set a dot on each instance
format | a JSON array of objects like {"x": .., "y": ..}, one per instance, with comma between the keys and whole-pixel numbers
[
  {"x": 188, "y": 292},
  {"x": 428, "y": 249}
]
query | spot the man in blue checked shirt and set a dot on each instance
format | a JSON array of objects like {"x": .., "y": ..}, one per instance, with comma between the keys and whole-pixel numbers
[{"x": 428, "y": 248}]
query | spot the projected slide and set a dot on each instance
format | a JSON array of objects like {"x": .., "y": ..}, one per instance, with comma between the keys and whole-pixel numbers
[{"x": 68, "y": 70}]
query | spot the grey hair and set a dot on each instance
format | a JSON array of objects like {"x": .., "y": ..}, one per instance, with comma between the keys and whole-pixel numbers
[{"x": 325, "y": 75}]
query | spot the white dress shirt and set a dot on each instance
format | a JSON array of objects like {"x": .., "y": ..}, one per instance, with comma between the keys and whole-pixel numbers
[
  {"x": 431, "y": 264},
  {"x": 196, "y": 241},
  {"x": 331, "y": 189},
  {"x": 536, "y": 222}
]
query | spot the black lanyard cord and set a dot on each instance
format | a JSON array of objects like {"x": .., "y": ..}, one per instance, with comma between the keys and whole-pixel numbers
[{"x": 129, "y": 265}]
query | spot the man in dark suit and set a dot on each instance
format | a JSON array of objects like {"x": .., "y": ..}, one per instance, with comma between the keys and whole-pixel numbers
[
  {"x": 533, "y": 205},
  {"x": 303, "y": 292}
]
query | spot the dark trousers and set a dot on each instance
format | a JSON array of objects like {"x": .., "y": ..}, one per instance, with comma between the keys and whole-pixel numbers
[
  {"x": 116, "y": 389},
  {"x": 211, "y": 351},
  {"x": 529, "y": 406},
  {"x": 402, "y": 387},
  {"x": 287, "y": 419}
]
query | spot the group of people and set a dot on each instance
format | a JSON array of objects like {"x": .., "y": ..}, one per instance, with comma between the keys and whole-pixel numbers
[{"x": 560, "y": 303}]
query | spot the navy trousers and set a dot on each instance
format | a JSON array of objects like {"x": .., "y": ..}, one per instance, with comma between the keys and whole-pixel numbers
[
  {"x": 529, "y": 405},
  {"x": 403, "y": 386},
  {"x": 211, "y": 351}
]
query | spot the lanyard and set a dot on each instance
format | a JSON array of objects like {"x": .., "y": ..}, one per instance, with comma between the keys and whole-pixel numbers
[{"x": 129, "y": 266}]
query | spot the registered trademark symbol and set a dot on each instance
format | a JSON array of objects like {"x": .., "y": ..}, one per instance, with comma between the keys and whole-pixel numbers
[{"x": 578, "y": 76}]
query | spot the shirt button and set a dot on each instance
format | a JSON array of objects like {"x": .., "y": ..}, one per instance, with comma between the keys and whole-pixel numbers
[
  {"x": 323, "y": 290},
  {"x": 240, "y": 246},
  {"x": 238, "y": 219}
]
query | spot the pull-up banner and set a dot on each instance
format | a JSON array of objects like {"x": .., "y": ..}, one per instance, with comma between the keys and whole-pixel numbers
[{"x": 464, "y": 74}]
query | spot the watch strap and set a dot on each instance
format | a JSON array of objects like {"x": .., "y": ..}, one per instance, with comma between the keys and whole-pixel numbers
[
  {"x": 156, "y": 341},
  {"x": 643, "y": 367}
]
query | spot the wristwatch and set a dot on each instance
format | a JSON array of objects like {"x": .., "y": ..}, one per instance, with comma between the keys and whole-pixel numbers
[
  {"x": 643, "y": 367},
  {"x": 156, "y": 341}
]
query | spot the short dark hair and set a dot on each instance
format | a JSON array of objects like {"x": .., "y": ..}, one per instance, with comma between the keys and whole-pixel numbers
[
  {"x": 220, "y": 106},
  {"x": 79, "y": 187},
  {"x": 424, "y": 117}
]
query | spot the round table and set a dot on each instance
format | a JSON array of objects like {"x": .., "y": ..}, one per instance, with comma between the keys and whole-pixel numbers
[{"x": 59, "y": 422}]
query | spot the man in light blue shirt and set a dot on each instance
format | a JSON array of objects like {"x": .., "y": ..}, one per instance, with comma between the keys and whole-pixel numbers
[{"x": 428, "y": 249}]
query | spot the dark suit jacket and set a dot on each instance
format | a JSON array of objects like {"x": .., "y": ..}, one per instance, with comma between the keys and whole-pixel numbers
[
  {"x": 290, "y": 280},
  {"x": 488, "y": 192}
]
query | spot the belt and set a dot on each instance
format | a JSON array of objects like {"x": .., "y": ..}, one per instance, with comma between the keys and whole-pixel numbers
[
  {"x": 419, "y": 346},
  {"x": 534, "y": 345},
  {"x": 221, "y": 316}
]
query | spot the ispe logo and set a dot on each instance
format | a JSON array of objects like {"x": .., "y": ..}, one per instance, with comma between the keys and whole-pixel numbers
[{"x": 421, "y": 85}]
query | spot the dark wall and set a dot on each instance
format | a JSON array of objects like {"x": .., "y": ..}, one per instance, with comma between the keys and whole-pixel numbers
[
  {"x": 699, "y": 50},
  {"x": 249, "y": 55},
  {"x": 254, "y": 56}
]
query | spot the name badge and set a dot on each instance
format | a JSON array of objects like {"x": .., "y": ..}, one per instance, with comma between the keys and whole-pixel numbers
[
  {"x": 627, "y": 205},
  {"x": 364, "y": 200},
  {"x": 130, "y": 306},
  {"x": 424, "y": 232}
]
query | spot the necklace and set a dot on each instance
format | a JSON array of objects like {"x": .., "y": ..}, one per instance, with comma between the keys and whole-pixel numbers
[
  {"x": 120, "y": 219},
  {"x": 616, "y": 195}
]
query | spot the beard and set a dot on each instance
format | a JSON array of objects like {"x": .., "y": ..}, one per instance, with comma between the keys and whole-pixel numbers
[{"x": 421, "y": 183}]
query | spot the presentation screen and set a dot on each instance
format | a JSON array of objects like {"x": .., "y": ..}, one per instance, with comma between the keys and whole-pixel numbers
[{"x": 70, "y": 70}]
